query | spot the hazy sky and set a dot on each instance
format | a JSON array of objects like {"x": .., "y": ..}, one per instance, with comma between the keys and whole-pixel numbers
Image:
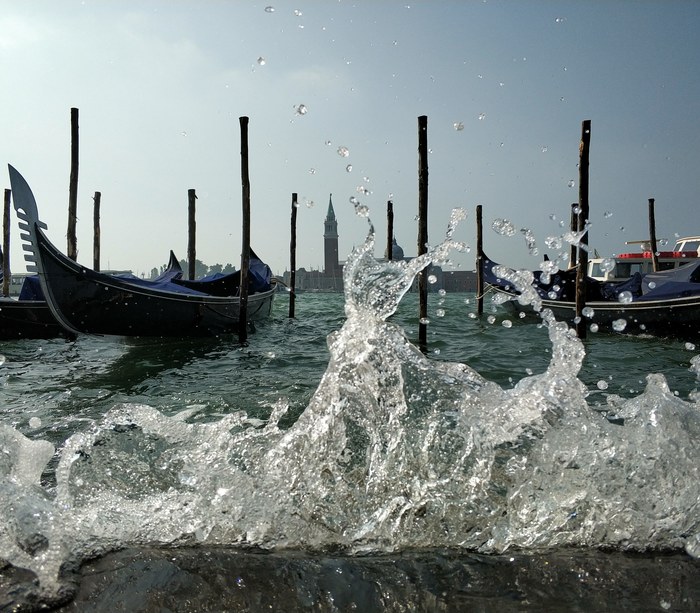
[{"x": 160, "y": 86}]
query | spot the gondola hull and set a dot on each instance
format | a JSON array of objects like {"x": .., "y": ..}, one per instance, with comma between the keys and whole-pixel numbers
[
  {"x": 27, "y": 319},
  {"x": 90, "y": 302},
  {"x": 86, "y": 301},
  {"x": 675, "y": 318}
]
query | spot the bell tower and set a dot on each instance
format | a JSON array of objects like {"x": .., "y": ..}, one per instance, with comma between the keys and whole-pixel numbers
[{"x": 330, "y": 240}]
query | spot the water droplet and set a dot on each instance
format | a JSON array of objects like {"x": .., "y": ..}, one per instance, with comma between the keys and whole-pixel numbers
[
  {"x": 297, "y": 13},
  {"x": 482, "y": 116},
  {"x": 309, "y": 204},
  {"x": 2, "y": 360},
  {"x": 328, "y": 143},
  {"x": 301, "y": 109},
  {"x": 432, "y": 279},
  {"x": 607, "y": 214},
  {"x": 690, "y": 346},
  {"x": 619, "y": 325},
  {"x": 571, "y": 183},
  {"x": 503, "y": 227},
  {"x": 588, "y": 312},
  {"x": 348, "y": 168},
  {"x": 607, "y": 264},
  {"x": 424, "y": 320},
  {"x": 521, "y": 315},
  {"x": 544, "y": 149},
  {"x": 343, "y": 152},
  {"x": 602, "y": 385},
  {"x": 625, "y": 297},
  {"x": 269, "y": 9},
  {"x": 593, "y": 328},
  {"x": 261, "y": 61},
  {"x": 554, "y": 242},
  {"x": 361, "y": 210},
  {"x": 560, "y": 20},
  {"x": 312, "y": 171},
  {"x": 491, "y": 319},
  {"x": 442, "y": 292},
  {"x": 459, "y": 126},
  {"x": 507, "y": 323},
  {"x": 34, "y": 422},
  {"x": 440, "y": 312},
  {"x": 651, "y": 285}
]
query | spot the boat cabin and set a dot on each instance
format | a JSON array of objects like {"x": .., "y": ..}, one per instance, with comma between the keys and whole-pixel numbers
[{"x": 624, "y": 265}]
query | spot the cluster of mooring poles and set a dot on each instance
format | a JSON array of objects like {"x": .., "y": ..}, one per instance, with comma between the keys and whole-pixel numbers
[{"x": 578, "y": 225}]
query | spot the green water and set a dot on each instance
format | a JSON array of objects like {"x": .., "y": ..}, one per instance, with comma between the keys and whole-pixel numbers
[{"x": 66, "y": 384}]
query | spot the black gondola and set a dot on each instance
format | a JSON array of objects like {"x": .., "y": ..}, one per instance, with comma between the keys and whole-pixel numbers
[
  {"x": 665, "y": 303},
  {"x": 85, "y": 301}
]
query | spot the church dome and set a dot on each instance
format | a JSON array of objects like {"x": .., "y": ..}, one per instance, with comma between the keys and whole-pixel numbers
[{"x": 396, "y": 251}]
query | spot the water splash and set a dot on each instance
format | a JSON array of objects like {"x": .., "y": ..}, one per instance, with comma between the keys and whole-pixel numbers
[{"x": 393, "y": 452}]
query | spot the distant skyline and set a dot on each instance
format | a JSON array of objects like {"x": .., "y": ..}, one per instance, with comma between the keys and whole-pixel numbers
[{"x": 333, "y": 90}]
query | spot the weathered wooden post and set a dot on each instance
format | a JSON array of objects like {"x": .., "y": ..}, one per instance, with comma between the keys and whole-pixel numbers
[
  {"x": 6, "y": 245},
  {"x": 72, "y": 249},
  {"x": 293, "y": 256},
  {"x": 652, "y": 236},
  {"x": 479, "y": 261},
  {"x": 389, "y": 230},
  {"x": 423, "y": 228},
  {"x": 96, "y": 231},
  {"x": 191, "y": 233},
  {"x": 582, "y": 224},
  {"x": 573, "y": 226},
  {"x": 245, "y": 251}
]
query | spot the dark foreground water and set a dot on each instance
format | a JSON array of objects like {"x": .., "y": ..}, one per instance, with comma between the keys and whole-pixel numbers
[{"x": 350, "y": 472}]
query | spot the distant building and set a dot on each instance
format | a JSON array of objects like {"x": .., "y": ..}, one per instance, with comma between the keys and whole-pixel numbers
[
  {"x": 330, "y": 279},
  {"x": 330, "y": 241}
]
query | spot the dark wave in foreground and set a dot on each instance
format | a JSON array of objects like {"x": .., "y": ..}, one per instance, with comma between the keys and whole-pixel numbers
[{"x": 223, "y": 579}]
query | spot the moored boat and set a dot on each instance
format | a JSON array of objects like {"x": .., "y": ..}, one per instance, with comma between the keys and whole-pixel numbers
[
  {"x": 665, "y": 303},
  {"x": 86, "y": 301}
]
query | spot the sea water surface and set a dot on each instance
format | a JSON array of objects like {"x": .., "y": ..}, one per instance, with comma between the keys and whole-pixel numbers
[{"x": 331, "y": 465}]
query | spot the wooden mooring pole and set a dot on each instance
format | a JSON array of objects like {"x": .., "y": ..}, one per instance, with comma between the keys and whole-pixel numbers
[
  {"x": 423, "y": 229},
  {"x": 72, "y": 248},
  {"x": 573, "y": 226},
  {"x": 245, "y": 250},
  {"x": 652, "y": 236},
  {"x": 6, "y": 245},
  {"x": 479, "y": 261},
  {"x": 389, "y": 231},
  {"x": 293, "y": 256},
  {"x": 191, "y": 233},
  {"x": 582, "y": 265},
  {"x": 96, "y": 231}
]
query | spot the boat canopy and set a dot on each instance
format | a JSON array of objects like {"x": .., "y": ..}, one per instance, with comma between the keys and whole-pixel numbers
[{"x": 675, "y": 283}]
